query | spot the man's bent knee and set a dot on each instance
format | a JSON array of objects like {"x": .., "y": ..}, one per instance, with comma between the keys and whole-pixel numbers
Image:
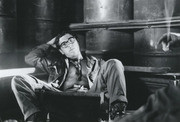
[
  {"x": 115, "y": 62},
  {"x": 18, "y": 81},
  {"x": 14, "y": 82}
]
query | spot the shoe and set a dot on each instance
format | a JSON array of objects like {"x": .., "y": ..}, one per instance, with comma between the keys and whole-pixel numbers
[
  {"x": 37, "y": 117},
  {"x": 117, "y": 109}
]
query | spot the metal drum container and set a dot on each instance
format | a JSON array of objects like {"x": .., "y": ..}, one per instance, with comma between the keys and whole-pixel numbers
[
  {"x": 82, "y": 41},
  {"x": 8, "y": 29},
  {"x": 107, "y": 10},
  {"x": 35, "y": 32},
  {"x": 8, "y": 33},
  {"x": 38, "y": 22},
  {"x": 8, "y": 8},
  {"x": 72, "y": 11},
  {"x": 155, "y": 9},
  {"x": 109, "y": 43},
  {"x": 147, "y": 51},
  {"x": 8, "y": 40}
]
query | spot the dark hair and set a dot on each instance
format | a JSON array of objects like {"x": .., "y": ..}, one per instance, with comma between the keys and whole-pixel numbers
[{"x": 56, "y": 42}]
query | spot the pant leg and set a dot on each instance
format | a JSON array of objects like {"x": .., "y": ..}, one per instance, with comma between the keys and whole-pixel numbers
[
  {"x": 111, "y": 79},
  {"x": 23, "y": 88}
]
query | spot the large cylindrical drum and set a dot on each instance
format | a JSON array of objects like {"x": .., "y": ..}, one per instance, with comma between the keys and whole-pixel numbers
[
  {"x": 35, "y": 32},
  {"x": 8, "y": 29},
  {"x": 81, "y": 40},
  {"x": 8, "y": 33},
  {"x": 8, "y": 40},
  {"x": 147, "y": 51},
  {"x": 71, "y": 11},
  {"x": 109, "y": 43},
  {"x": 156, "y": 9},
  {"x": 8, "y": 8},
  {"x": 107, "y": 10},
  {"x": 38, "y": 22}
]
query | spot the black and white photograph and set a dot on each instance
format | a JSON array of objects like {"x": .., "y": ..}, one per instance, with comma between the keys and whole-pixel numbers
[{"x": 89, "y": 61}]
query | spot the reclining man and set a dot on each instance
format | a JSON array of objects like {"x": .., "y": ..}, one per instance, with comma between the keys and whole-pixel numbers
[{"x": 69, "y": 71}]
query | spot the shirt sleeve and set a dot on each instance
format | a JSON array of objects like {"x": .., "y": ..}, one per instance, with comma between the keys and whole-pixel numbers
[{"x": 38, "y": 57}]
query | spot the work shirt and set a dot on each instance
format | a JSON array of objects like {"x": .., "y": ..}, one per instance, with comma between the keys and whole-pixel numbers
[
  {"x": 56, "y": 65},
  {"x": 76, "y": 76}
]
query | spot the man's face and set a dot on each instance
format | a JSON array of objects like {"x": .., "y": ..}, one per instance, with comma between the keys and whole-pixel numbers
[{"x": 69, "y": 46}]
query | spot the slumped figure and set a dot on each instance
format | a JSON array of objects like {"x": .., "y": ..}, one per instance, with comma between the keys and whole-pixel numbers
[{"x": 69, "y": 70}]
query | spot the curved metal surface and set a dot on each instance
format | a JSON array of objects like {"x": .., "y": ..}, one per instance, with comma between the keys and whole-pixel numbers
[
  {"x": 8, "y": 8},
  {"x": 35, "y": 32},
  {"x": 154, "y": 9},
  {"x": 114, "y": 44},
  {"x": 147, "y": 51},
  {"x": 39, "y": 9},
  {"x": 38, "y": 22},
  {"x": 8, "y": 34},
  {"x": 54, "y": 10},
  {"x": 107, "y": 10},
  {"x": 8, "y": 25},
  {"x": 72, "y": 11}
]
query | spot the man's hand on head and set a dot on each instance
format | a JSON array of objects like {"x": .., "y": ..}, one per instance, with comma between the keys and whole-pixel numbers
[
  {"x": 51, "y": 42},
  {"x": 170, "y": 41}
]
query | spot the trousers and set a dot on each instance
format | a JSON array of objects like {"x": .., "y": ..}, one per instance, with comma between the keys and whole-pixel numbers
[{"x": 110, "y": 79}]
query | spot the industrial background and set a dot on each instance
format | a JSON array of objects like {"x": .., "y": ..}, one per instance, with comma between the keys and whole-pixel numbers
[{"x": 125, "y": 29}]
